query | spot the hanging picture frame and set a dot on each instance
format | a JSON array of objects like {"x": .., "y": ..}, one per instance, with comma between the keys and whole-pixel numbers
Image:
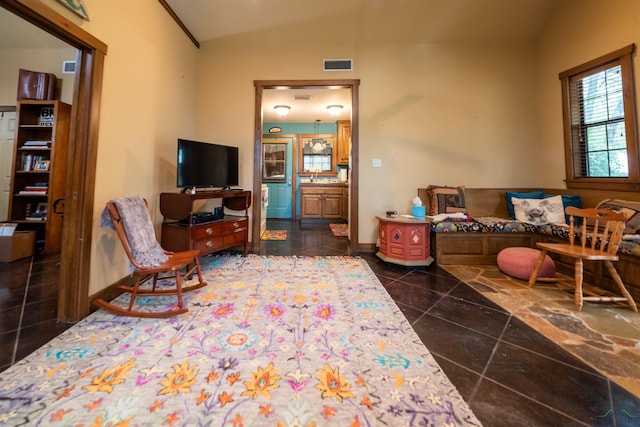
[{"x": 76, "y": 6}]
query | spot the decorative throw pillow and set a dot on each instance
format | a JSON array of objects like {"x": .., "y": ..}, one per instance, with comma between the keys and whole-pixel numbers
[
  {"x": 629, "y": 208},
  {"x": 537, "y": 194},
  {"x": 445, "y": 199},
  {"x": 539, "y": 211},
  {"x": 569, "y": 200}
]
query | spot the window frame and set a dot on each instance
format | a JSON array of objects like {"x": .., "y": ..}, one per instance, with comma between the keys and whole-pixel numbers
[
  {"x": 331, "y": 139},
  {"x": 623, "y": 57}
]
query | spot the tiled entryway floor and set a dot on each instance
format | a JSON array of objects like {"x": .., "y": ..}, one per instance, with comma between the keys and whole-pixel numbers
[{"x": 508, "y": 373}]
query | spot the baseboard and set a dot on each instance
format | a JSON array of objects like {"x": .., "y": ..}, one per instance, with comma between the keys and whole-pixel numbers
[
  {"x": 367, "y": 247},
  {"x": 110, "y": 292}
]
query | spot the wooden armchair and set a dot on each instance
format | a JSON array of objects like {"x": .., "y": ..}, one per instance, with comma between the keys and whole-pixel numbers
[
  {"x": 599, "y": 235},
  {"x": 177, "y": 265}
]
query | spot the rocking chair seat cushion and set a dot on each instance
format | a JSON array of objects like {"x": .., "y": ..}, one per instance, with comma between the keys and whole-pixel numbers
[{"x": 518, "y": 262}]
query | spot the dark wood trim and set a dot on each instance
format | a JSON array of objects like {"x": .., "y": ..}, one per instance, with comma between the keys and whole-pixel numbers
[
  {"x": 624, "y": 58},
  {"x": 181, "y": 24},
  {"x": 257, "y": 168},
  {"x": 611, "y": 56},
  {"x": 260, "y": 85},
  {"x": 73, "y": 302},
  {"x": 80, "y": 188},
  {"x": 7, "y": 108},
  {"x": 354, "y": 176}
]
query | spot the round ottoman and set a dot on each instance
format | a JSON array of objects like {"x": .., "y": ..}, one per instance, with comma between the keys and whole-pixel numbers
[{"x": 518, "y": 262}]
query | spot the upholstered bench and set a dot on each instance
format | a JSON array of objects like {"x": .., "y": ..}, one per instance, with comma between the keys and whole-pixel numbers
[{"x": 518, "y": 262}]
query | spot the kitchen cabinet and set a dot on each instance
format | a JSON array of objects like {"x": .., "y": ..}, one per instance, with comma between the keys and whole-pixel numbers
[
  {"x": 344, "y": 141},
  {"x": 323, "y": 201}
]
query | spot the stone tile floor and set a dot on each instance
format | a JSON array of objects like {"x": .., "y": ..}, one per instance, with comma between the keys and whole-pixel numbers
[{"x": 604, "y": 335}]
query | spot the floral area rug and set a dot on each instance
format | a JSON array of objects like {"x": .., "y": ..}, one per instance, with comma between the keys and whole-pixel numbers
[
  {"x": 271, "y": 341},
  {"x": 340, "y": 230},
  {"x": 274, "y": 235}
]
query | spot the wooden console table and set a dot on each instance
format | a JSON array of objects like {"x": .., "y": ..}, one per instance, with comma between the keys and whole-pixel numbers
[
  {"x": 404, "y": 240},
  {"x": 183, "y": 230}
]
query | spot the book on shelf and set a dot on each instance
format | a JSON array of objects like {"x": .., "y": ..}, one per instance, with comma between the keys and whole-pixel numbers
[
  {"x": 46, "y": 116},
  {"x": 39, "y": 185},
  {"x": 32, "y": 193},
  {"x": 37, "y": 144},
  {"x": 29, "y": 161},
  {"x": 36, "y": 189},
  {"x": 36, "y": 217}
]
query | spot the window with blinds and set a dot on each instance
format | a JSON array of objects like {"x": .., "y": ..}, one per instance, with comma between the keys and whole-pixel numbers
[
  {"x": 597, "y": 122},
  {"x": 600, "y": 123}
]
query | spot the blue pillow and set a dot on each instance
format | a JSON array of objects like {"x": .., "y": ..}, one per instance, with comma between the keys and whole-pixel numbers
[
  {"x": 537, "y": 194},
  {"x": 569, "y": 200}
]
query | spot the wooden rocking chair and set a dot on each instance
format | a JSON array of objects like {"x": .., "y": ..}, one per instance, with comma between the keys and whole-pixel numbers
[
  {"x": 600, "y": 234},
  {"x": 175, "y": 263}
]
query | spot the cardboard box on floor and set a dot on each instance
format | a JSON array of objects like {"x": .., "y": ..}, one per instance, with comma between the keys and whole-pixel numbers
[{"x": 20, "y": 245}]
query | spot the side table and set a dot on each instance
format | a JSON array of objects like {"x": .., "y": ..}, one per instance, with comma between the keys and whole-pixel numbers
[{"x": 404, "y": 240}]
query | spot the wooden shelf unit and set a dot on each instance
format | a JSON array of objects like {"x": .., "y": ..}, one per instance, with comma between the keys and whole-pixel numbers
[
  {"x": 181, "y": 231},
  {"x": 42, "y": 121}
]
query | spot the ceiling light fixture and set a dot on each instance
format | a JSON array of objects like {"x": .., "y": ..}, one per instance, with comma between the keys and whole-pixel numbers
[
  {"x": 334, "y": 110},
  {"x": 282, "y": 110}
]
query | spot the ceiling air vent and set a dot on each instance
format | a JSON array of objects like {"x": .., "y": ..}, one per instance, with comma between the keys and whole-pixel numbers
[
  {"x": 338, "y": 65},
  {"x": 68, "y": 67}
]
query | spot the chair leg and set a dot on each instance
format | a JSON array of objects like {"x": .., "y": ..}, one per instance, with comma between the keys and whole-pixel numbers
[
  {"x": 579, "y": 279},
  {"x": 179, "y": 287},
  {"x": 134, "y": 292},
  {"x": 623, "y": 289},
  {"x": 536, "y": 268}
]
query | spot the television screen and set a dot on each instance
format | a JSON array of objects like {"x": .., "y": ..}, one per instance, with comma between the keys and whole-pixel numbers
[{"x": 205, "y": 165}]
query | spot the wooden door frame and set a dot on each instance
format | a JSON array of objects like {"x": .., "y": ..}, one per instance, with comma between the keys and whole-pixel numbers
[
  {"x": 75, "y": 259},
  {"x": 260, "y": 86}
]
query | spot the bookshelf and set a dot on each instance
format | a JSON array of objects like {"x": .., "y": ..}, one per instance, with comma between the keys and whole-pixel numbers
[{"x": 39, "y": 169}]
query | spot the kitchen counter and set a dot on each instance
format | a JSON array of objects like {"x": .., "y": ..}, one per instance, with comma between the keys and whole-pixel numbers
[{"x": 324, "y": 184}]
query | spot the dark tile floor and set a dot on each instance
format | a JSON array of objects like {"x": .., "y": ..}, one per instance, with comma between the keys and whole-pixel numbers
[{"x": 509, "y": 374}]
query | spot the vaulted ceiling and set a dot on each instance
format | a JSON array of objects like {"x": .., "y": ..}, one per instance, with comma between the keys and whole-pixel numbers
[{"x": 365, "y": 21}]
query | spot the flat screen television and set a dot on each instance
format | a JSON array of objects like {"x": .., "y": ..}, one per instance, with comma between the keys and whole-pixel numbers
[{"x": 206, "y": 165}]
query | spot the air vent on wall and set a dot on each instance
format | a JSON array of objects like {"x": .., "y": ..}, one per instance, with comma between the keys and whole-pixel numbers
[
  {"x": 338, "y": 64},
  {"x": 68, "y": 67}
]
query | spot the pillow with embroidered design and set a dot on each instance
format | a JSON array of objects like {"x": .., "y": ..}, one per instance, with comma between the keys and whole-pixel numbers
[{"x": 539, "y": 211}]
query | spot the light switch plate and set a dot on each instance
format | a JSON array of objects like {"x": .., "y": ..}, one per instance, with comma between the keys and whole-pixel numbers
[{"x": 377, "y": 163}]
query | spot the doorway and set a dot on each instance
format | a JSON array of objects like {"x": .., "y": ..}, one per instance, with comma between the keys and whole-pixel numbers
[
  {"x": 260, "y": 87},
  {"x": 73, "y": 300}
]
